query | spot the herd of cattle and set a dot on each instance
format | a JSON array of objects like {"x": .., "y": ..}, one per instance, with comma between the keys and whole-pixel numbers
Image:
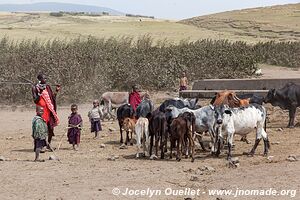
[{"x": 182, "y": 121}]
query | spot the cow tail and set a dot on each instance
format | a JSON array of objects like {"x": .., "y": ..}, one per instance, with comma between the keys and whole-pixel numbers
[{"x": 265, "y": 120}]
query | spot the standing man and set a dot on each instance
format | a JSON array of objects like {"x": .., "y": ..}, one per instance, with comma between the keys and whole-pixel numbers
[
  {"x": 134, "y": 97},
  {"x": 183, "y": 82},
  {"x": 44, "y": 97}
]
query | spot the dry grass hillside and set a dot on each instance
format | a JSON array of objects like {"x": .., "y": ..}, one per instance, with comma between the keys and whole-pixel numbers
[{"x": 280, "y": 23}]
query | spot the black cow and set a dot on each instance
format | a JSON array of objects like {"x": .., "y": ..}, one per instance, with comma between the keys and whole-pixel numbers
[
  {"x": 158, "y": 130},
  {"x": 144, "y": 108},
  {"x": 178, "y": 103},
  {"x": 287, "y": 98},
  {"x": 253, "y": 98},
  {"x": 124, "y": 111}
]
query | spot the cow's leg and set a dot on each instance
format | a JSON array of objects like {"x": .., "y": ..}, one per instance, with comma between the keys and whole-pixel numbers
[
  {"x": 171, "y": 148},
  {"x": 244, "y": 139},
  {"x": 252, "y": 152},
  {"x": 266, "y": 141},
  {"x": 213, "y": 140},
  {"x": 162, "y": 147},
  {"x": 292, "y": 112},
  {"x": 185, "y": 145},
  {"x": 266, "y": 146},
  {"x": 257, "y": 140},
  {"x": 120, "y": 125},
  {"x": 146, "y": 141},
  {"x": 200, "y": 140},
  {"x": 138, "y": 141},
  {"x": 229, "y": 143},
  {"x": 156, "y": 144},
  {"x": 192, "y": 146},
  {"x": 131, "y": 143},
  {"x": 219, "y": 142},
  {"x": 179, "y": 149},
  {"x": 166, "y": 136},
  {"x": 151, "y": 143},
  {"x": 127, "y": 137}
]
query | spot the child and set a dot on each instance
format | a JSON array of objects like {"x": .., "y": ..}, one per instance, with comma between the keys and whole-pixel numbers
[
  {"x": 39, "y": 133},
  {"x": 94, "y": 115},
  {"x": 183, "y": 83},
  {"x": 75, "y": 124}
]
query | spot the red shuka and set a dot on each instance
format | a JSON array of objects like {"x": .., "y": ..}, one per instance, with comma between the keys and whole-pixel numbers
[{"x": 134, "y": 99}]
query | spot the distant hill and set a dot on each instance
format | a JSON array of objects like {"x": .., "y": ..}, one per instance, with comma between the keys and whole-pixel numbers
[
  {"x": 281, "y": 22},
  {"x": 55, "y": 7}
]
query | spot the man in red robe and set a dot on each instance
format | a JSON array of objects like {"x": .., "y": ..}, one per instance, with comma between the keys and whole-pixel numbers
[
  {"x": 44, "y": 97},
  {"x": 134, "y": 98}
]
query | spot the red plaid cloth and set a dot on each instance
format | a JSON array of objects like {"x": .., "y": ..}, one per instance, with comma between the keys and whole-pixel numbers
[{"x": 46, "y": 97}]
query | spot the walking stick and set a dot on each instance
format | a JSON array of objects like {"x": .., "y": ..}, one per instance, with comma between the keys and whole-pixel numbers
[
  {"x": 61, "y": 139},
  {"x": 54, "y": 152}
]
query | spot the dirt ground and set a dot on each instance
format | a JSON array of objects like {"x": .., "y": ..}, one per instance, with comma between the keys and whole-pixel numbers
[{"x": 88, "y": 174}]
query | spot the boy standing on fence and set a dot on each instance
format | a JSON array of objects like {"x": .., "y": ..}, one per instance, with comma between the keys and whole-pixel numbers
[
  {"x": 75, "y": 124},
  {"x": 39, "y": 133},
  {"x": 95, "y": 115}
]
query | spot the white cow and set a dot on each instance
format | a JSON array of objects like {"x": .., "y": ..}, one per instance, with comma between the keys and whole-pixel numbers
[
  {"x": 241, "y": 121},
  {"x": 142, "y": 135}
]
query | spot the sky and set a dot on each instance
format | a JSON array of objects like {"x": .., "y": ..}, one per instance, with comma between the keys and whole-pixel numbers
[{"x": 168, "y": 9}]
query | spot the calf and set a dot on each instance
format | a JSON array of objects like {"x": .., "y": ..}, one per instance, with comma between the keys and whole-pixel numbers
[
  {"x": 181, "y": 128},
  {"x": 129, "y": 127},
  {"x": 189, "y": 137},
  {"x": 124, "y": 111},
  {"x": 158, "y": 130},
  {"x": 241, "y": 121},
  {"x": 204, "y": 121},
  {"x": 142, "y": 135}
]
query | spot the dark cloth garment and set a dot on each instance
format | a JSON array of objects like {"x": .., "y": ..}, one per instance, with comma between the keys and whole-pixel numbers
[
  {"x": 38, "y": 143},
  {"x": 182, "y": 88},
  {"x": 134, "y": 99},
  {"x": 95, "y": 125},
  {"x": 74, "y": 133}
]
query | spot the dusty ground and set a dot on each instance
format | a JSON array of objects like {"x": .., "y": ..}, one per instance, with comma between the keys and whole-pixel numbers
[{"x": 87, "y": 174}]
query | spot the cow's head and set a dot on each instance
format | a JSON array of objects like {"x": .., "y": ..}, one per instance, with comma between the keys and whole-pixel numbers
[
  {"x": 220, "y": 112},
  {"x": 270, "y": 96},
  {"x": 170, "y": 113},
  {"x": 193, "y": 102},
  {"x": 128, "y": 124}
]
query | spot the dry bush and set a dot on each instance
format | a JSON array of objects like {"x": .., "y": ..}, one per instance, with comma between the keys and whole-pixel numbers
[{"x": 86, "y": 67}]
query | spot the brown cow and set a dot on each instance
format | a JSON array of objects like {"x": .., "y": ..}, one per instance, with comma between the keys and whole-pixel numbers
[
  {"x": 181, "y": 129},
  {"x": 228, "y": 97}
]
